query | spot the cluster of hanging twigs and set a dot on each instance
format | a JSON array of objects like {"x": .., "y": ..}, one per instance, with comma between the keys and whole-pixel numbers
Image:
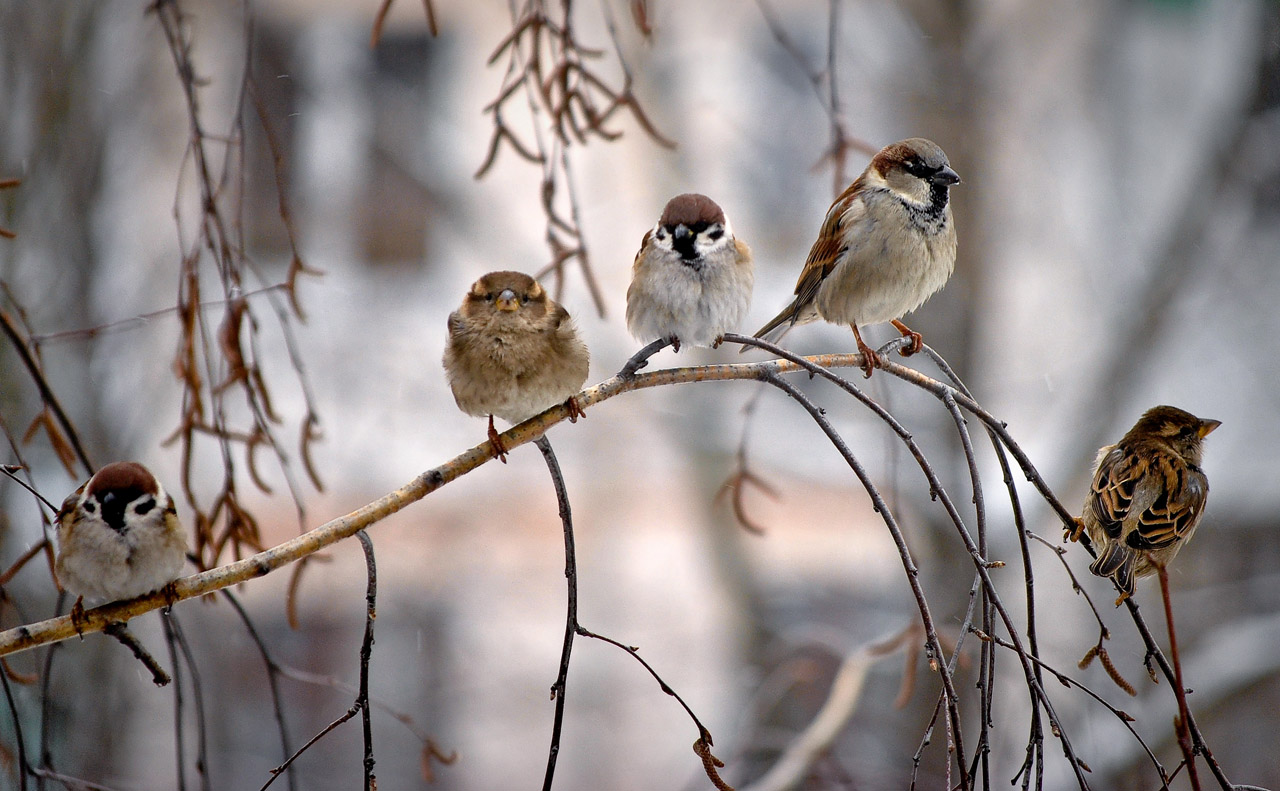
[
  {"x": 826, "y": 87},
  {"x": 217, "y": 361},
  {"x": 568, "y": 102}
]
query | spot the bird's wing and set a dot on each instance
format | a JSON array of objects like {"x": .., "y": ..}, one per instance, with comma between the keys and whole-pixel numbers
[
  {"x": 644, "y": 245},
  {"x": 831, "y": 243},
  {"x": 1114, "y": 485},
  {"x": 1176, "y": 508}
]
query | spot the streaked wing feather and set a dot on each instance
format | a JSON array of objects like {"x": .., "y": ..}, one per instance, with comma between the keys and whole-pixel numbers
[
  {"x": 1113, "y": 488},
  {"x": 831, "y": 242},
  {"x": 1175, "y": 510}
]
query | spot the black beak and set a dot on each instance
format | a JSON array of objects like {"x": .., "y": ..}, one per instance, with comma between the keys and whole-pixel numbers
[
  {"x": 945, "y": 176},
  {"x": 681, "y": 232},
  {"x": 113, "y": 510}
]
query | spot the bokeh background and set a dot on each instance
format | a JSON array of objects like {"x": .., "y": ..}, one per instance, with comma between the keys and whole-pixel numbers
[{"x": 1119, "y": 240}]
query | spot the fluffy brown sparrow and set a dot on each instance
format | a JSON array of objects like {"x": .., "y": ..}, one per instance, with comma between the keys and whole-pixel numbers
[
  {"x": 691, "y": 281},
  {"x": 513, "y": 352},
  {"x": 118, "y": 536},
  {"x": 1148, "y": 495},
  {"x": 887, "y": 244}
]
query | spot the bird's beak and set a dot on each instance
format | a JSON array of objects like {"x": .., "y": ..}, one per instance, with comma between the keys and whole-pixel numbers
[
  {"x": 945, "y": 176},
  {"x": 507, "y": 300},
  {"x": 681, "y": 232},
  {"x": 1207, "y": 427}
]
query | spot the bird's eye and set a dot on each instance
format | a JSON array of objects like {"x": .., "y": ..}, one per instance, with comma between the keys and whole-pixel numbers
[
  {"x": 144, "y": 506},
  {"x": 488, "y": 297},
  {"x": 524, "y": 299}
]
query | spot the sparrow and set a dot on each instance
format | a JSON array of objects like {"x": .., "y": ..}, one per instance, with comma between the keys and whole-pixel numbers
[
  {"x": 1147, "y": 496},
  {"x": 118, "y": 536},
  {"x": 691, "y": 281},
  {"x": 887, "y": 244},
  {"x": 513, "y": 352}
]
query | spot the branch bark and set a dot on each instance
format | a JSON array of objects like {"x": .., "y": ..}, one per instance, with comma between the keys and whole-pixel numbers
[{"x": 22, "y": 638}]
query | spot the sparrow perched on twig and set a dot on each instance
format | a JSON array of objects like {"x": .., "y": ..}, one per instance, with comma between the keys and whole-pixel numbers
[
  {"x": 887, "y": 244},
  {"x": 118, "y": 536},
  {"x": 691, "y": 281},
  {"x": 1148, "y": 495},
  {"x": 513, "y": 352}
]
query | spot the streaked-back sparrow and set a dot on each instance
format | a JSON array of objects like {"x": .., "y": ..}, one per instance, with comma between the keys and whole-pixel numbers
[
  {"x": 691, "y": 281},
  {"x": 887, "y": 244},
  {"x": 119, "y": 536},
  {"x": 1148, "y": 495},
  {"x": 513, "y": 352}
]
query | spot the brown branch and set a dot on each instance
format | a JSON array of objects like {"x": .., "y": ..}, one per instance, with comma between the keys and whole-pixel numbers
[
  {"x": 1180, "y": 691},
  {"x": 381, "y": 17},
  {"x": 35, "y": 371},
  {"x": 5, "y": 232},
  {"x": 121, "y": 632},
  {"x": 22, "y": 638}
]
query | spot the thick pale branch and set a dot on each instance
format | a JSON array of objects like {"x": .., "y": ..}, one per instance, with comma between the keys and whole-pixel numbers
[
  {"x": 795, "y": 763},
  {"x": 53, "y": 630}
]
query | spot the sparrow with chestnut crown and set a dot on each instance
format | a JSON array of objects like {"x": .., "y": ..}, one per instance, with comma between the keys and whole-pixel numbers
[
  {"x": 691, "y": 281},
  {"x": 887, "y": 244},
  {"x": 118, "y": 536}
]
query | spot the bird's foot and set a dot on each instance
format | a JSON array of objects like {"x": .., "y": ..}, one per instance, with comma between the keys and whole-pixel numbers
[
  {"x": 1073, "y": 533},
  {"x": 870, "y": 360},
  {"x": 170, "y": 593},
  {"x": 496, "y": 441},
  {"x": 575, "y": 409},
  {"x": 1123, "y": 595},
  {"x": 675, "y": 343},
  {"x": 78, "y": 616},
  {"x": 917, "y": 340},
  {"x": 716, "y": 343}
]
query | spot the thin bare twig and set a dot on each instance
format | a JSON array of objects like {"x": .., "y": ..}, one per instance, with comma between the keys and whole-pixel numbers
[
  {"x": 51, "y": 402},
  {"x": 16, "y": 722},
  {"x": 121, "y": 632},
  {"x": 571, "y": 618},
  {"x": 361, "y": 703},
  {"x": 366, "y": 654},
  {"x": 273, "y": 672},
  {"x": 1180, "y": 691}
]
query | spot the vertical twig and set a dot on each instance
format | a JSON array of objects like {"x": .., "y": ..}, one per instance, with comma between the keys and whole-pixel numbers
[
  {"x": 1184, "y": 714},
  {"x": 17, "y": 732},
  {"x": 46, "y": 702},
  {"x": 366, "y": 653},
  {"x": 361, "y": 704},
  {"x": 179, "y": 737},
  {"x": 571, "y": 618},
  {"x": 273, "y": 672}
]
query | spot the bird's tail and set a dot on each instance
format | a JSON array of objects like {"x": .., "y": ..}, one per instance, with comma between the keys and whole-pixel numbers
[
  {"x": 778, "y": 326},
  {"x": 1116, "y": 561}
]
